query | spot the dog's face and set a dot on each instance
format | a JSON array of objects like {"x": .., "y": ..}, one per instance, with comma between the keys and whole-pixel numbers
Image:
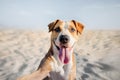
[{"x": 63, "y": 37}]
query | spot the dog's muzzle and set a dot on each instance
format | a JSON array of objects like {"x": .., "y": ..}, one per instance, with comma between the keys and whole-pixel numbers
[{"x": 64, "y": 49}]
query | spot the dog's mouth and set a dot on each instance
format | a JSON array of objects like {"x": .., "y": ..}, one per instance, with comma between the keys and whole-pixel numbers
[{"x": 64, "y": 53}]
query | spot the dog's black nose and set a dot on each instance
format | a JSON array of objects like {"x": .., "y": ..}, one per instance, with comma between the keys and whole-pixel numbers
[{"x": 64, "y": 39}]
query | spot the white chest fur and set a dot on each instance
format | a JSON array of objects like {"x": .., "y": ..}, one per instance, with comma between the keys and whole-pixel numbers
[{"x": 60, "y": 71}]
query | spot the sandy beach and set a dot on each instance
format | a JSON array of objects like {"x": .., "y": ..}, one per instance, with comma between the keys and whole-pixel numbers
[{"x": 97, "y": 53}]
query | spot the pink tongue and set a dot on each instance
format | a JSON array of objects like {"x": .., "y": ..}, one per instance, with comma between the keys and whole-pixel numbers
[{"x": 64, "y": 55}]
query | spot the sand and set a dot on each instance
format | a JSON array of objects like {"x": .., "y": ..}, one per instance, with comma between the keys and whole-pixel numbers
[{"x": 97, "y": 53}]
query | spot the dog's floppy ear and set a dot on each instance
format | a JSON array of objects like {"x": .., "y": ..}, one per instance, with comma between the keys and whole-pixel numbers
[
  {"x": 52, "y": 25},
  {"x": 78, "y": 26}
]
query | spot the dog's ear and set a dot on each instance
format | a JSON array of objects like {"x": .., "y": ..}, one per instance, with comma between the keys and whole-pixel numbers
[
  {"x": 52, "y": 25},
  {"x": 78, "y": 26}
]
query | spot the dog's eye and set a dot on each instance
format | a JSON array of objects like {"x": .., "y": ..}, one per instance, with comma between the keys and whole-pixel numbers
[
  {"x": 72, "y": 29},
  {"x": 57, "y": 29}
]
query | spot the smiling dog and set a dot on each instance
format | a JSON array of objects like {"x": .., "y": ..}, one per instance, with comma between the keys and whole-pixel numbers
[{"x": 59, "y": 63}]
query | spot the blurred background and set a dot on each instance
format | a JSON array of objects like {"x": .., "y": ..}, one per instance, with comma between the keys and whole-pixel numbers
[
  {"x": 24, "y": 37},
  {"x": 36, "y": 14}
]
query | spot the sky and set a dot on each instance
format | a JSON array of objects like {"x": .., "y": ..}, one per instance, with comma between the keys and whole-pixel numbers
[{"x": 37, "y": 14}]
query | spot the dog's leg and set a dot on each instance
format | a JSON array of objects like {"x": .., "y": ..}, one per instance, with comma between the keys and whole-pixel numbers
[
  {"x": 41, "y": 73},
  {"x": 37, "y": 75}
]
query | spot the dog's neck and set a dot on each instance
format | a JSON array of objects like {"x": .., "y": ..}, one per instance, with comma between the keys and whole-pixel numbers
[{"x": 64, "y": 69}]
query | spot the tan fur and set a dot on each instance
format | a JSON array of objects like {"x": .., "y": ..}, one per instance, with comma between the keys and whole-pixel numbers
[
  {"x": 78, "y": 26},
  {"x": 50, "y": 61},
  {"x": 72, "y": 75}
]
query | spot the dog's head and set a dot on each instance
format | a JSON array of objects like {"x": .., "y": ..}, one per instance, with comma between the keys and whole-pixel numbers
[{"x": 63, "y": 37}]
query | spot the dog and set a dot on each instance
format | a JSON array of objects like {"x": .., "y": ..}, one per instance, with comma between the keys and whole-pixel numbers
[{"x": 59, "y": 63}]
